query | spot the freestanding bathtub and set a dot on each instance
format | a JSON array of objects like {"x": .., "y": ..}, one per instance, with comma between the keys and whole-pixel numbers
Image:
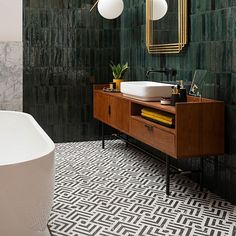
[{"x": 26, "y": 176}]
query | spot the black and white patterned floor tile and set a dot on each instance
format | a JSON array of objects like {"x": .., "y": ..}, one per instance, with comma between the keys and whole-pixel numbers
[{"x": 121, "y": 191}]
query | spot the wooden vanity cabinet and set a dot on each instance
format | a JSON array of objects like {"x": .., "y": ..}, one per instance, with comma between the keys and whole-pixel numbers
[{"x": 198, "y": 131}]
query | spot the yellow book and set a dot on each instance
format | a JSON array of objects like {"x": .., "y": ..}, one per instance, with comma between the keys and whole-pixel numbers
[
  {"x": 158, "y": 119},
  {"x": 158, "y": 114}
]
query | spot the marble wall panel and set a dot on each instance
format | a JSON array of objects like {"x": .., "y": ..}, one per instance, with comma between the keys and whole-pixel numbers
[{"x": 11, "y": 76}]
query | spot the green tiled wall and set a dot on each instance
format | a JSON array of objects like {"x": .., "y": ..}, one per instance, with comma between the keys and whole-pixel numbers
[
  {"x": 212, "y": 46},
  {"x": 66, "y": 50}
]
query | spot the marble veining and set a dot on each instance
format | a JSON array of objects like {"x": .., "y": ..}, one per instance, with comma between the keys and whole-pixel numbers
[{"x": 11, "y": 76}]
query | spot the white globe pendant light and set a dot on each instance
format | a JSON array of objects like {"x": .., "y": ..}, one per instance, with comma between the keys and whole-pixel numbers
[
  {"x": 110, "y": 9},
  {"x": 160, "y": 8}
]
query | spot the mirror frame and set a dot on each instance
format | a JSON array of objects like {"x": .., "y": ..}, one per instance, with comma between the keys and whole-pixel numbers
[{"x": 174, "y": 47}]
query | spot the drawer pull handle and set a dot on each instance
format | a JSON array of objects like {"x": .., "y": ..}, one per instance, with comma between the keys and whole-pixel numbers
[{"x": 149, "y": 127}]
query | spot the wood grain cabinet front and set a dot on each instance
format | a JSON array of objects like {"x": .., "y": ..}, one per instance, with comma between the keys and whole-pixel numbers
[
  {"x": 112, "y": 111},
  {"x": 151, "y": 134},
  {"x": 119, "y": 116}
]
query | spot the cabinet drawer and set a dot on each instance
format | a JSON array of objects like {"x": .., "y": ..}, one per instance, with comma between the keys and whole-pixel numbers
[{"x": 153, "y": 136}]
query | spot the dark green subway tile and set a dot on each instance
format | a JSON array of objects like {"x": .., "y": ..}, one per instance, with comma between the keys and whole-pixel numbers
[
  {"x": 233, "y": 57},
  {"x": 233, "y": 23},
  {"x": 233, "y": 89},
  {"x": 213, "y": 61},
  {"x": 231, "y": 128},
  {"x": 232, "y": 2},
  {"x": 223, "y": 81},
  {"x": 229, "y": 24},
  {"x": 34, "y": 4},
  {"x": 220, "y": 4}
]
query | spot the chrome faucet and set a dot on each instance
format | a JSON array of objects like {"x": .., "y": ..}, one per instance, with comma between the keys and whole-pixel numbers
[{"x": 169, "y": 72}]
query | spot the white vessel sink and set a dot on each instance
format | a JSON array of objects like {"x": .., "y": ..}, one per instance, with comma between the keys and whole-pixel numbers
[{"x": 146, "y": 90}]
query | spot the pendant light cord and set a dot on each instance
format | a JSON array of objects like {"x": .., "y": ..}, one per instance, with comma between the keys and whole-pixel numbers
[{"x": 94, "y": 5}]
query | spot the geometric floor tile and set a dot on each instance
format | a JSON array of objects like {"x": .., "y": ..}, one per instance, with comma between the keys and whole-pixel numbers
[{"x": 121, "y": 191}]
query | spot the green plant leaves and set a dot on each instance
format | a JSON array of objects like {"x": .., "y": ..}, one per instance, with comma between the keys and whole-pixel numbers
[{"x": 119, "y": 70}]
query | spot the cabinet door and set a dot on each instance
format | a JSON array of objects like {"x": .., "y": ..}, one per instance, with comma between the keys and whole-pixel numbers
[
  {"x": 101, "y": 110},
  {"x": 119, "y": 117}
]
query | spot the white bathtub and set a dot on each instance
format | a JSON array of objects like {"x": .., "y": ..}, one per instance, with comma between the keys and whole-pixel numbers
[{"x": 26, "y": 176}]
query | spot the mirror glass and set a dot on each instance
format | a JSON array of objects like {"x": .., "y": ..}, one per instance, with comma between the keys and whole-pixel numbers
[
  {"x": 168, "y": 34},
  {"x": 165, "y": 30}
]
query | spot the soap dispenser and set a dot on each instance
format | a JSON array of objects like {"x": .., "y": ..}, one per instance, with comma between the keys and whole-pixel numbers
[{"x": 182, "y": 92}]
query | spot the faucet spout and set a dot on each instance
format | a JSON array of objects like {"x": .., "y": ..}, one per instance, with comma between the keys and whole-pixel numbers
[{"x": 169, "y": 72}]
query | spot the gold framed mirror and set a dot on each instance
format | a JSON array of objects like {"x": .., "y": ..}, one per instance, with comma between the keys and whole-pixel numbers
[{"x": 168, "y": 34}]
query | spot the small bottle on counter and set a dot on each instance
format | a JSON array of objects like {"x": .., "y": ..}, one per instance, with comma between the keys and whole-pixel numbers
[
  {"x": 112, "y": 86},
  {"x": 182, "y": 92},
  {"x": 179, "y": 93},
  {"x": 174, "y": 96}
]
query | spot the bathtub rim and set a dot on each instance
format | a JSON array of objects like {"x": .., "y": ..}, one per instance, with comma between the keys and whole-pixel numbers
[{"x": 50, "y": 143}]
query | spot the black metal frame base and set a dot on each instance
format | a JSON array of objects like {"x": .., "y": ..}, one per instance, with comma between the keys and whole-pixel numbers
[
  {"x": 167, "y": 175},
  {"x": 167, "y": 162},
  {"x": 103, "y": 138}
]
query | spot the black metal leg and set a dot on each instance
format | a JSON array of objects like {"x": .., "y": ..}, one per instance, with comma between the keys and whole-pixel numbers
[
  {"x": 127, "y": 140},
  {"x": 216, "y": 170},
  {"x": 167, "y": 175},
  {"x": 103, "y": 139},
  {"x": 201, "y": 174}
]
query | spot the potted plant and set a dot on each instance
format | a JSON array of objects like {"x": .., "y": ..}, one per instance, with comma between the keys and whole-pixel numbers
[{"x": 118, "y": 72}]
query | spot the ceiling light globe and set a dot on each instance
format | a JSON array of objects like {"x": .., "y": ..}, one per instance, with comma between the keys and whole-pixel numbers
[
  {"x": 160, "y": 8},
  {"x": 110, "y": 9}
]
